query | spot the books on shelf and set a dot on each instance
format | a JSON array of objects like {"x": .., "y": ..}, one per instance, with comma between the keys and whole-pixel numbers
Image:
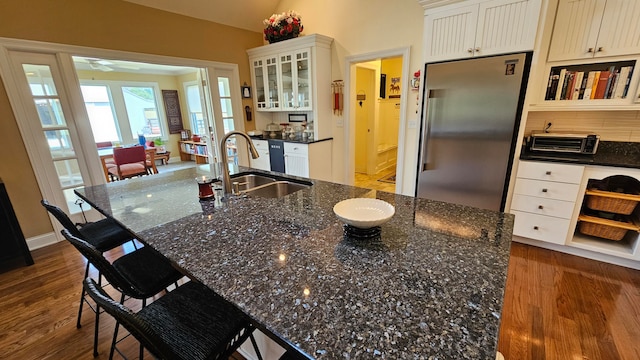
[{"x": 590, "y": 81}]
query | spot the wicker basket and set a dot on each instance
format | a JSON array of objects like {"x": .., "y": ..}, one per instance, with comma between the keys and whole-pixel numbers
[
  {"x": 611, "y": 201},
  {"x": 604, "y": 228}
]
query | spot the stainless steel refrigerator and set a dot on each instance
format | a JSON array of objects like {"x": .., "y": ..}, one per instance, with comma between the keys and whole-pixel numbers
[{"x": 470, "y": 117}]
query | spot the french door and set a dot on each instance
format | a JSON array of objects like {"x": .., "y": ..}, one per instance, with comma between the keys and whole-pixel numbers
[
  {"x": 49, "y": 130},
  {"x": 227, "y": 113}
]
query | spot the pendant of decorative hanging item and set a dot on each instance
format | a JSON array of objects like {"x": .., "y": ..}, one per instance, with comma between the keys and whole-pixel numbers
[{"x": 337, "y": 88}]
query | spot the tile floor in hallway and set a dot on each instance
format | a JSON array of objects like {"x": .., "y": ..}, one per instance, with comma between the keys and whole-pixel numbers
[{"x": 372, "y": 181}]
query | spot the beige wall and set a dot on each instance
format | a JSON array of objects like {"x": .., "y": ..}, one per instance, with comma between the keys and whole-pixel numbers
[
  {"x": 360, "y": 27},
  {"x": 109, "y": 24}
]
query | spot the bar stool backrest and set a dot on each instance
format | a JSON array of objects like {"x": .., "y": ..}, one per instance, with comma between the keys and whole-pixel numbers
[
  {"x": 62, "y": 217},
  {"x": 105, "y": 268},
  {"x": 136, "y": 326}
]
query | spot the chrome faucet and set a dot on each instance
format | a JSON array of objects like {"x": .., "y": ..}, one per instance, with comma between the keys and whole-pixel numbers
[{"x": 226, "y": 178}]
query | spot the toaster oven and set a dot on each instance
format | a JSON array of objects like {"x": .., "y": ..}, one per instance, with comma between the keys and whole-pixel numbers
[{"x": 564, "y": 143}]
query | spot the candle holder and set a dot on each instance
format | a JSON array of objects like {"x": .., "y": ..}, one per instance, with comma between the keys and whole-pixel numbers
[{"x": 205, "y": 188}]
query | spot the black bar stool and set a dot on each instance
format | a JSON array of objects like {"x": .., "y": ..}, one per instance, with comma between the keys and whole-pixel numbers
[
  {"x": 191, "y": 322},
  {"x": 140, "y": 274},
  {"x": 104, "y": 235}
]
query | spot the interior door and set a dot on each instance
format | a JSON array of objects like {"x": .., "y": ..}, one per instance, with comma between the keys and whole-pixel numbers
[
  {"x": 227, "y": 112},
  {"x": 49, "y": 129}
]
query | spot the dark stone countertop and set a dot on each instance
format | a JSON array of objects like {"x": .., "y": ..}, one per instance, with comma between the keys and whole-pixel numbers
[
  {"x": 609, "y": 153},
  {"x": 430, "y": 288},
  {"x": 297, "y": 139}
]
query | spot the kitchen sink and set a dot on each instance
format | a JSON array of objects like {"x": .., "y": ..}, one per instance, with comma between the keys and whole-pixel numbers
[
  {"x": 267, "y": 186},
  {"x": 275, "y": 189},
  {"x": 249, "y": 181}
]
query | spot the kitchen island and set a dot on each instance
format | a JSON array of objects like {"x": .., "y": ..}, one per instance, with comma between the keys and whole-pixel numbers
[{"x": 431, "y": 287}]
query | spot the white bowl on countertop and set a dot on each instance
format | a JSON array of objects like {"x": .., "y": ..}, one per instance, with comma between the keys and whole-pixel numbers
[{"x": 364, "y": 213}]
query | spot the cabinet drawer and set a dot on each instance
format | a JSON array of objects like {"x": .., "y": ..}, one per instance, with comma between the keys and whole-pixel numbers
[
  {"x": 547, "y": 189},
  {"x": 295, "y": 148},
  {"x": 540, "y": 227},
  {"x": 261, "y": 145},
  {"x": 551, "y": 172},
  {"x": 542, "y": 206}
]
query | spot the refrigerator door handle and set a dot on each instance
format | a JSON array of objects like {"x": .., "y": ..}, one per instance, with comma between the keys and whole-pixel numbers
[{"x": 424, "y": 161}]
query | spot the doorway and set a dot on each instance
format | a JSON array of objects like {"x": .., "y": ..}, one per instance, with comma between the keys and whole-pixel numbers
[
  {"x": 375, "y": 119},
  {"x": 62, "y": 149}
]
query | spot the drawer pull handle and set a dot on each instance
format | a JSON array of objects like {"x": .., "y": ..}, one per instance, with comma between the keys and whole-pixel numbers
[
  {"x": 548, "y": 173},
  {"x": 540, "y": 207},
  {"x": 544, "y": 190},
  {"x": 535, "y": 228}
]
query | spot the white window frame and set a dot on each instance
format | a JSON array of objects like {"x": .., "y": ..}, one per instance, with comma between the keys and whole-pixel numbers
[{"x": 118, "y": 106}]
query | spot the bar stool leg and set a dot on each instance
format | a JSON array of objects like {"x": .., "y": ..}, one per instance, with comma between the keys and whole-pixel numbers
[
  {"x": 255, "y": 346},
  {"x": 82, "y": 293}
]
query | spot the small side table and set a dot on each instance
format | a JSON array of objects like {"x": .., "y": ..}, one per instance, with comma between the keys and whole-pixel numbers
[{"x": 164, "y": 157}]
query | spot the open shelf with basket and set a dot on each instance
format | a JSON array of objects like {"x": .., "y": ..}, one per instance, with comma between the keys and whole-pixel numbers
[{"x": 609, "y": 218}]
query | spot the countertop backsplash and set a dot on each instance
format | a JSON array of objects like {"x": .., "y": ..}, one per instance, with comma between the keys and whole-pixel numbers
[{"x": 610, "y": 125}]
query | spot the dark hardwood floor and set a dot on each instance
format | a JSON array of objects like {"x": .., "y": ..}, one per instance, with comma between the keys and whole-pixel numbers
[
  {"x": 39, "y": 305},
  {"x": 559, "y": 306},
  {"x": 556, "y": 306}
]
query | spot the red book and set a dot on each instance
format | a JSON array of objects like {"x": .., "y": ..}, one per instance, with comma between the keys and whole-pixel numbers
[{"x": 602, "y": 84}]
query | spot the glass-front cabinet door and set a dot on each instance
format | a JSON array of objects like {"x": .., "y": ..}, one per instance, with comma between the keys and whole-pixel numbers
[
  {"x": 296, "y": 80},
  {"x": 271, "y": 66},
  {"x": 286, "y": 73},
  {"x": 260, "y": 81},
  {"x": 303, "y": 79}
]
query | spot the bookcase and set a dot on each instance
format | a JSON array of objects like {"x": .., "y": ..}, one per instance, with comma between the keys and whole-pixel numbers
[
  {"x": 197, "y": 150},
  {"x": 590, "y": 82}
]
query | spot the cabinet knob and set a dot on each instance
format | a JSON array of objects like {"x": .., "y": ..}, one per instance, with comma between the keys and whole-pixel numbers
[
  {"x": 600, "y": 49},
  {"x": 590, "y": 50},
  {"x": 470, "y": 50},
  {"x": 477, "y": 49},
  {"x": 548, "y": 173},
  {"x": 540, "y": 207},
  {"x": 544, "y": 190},
  {"x": 535, "y": 228}
]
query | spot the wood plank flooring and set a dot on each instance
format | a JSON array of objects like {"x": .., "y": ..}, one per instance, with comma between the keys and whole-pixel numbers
[
  {"x": 557, "y": 306},
  {"x": 39, "y": 305}
]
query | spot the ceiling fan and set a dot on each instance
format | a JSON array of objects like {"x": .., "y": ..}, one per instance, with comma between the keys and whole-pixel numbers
[{"x": 100, "y": 65}]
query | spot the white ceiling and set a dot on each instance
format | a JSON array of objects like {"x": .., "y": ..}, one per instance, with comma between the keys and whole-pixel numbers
[{"x": 244, "y": 14}]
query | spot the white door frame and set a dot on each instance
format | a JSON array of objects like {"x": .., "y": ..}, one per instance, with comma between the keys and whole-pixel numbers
[
  {"x": 64, "y": 55},
  {"x": 349, "y": 129}
]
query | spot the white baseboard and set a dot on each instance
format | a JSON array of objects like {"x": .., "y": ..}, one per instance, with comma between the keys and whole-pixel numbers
[{"x": 43, "y": 240}]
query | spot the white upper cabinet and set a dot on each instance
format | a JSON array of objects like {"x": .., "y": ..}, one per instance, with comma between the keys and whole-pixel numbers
[
  {"x": 586, "y": 29},
  {"x": 480, "y": 28},
  {"x": 285, "y": 73}
]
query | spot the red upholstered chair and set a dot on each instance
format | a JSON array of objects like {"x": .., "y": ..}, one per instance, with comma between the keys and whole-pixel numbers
[
  {"x": 106, "y": 145},
  {"x": 130, "y": 162}
]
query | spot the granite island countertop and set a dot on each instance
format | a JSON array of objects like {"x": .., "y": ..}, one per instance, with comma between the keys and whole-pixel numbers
[{"x": 430, "y": 288}]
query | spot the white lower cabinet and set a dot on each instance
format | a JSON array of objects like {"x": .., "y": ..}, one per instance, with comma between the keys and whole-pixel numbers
[
  {"x": 296, "y": 159},
  {"x": 544, "y": 200},
  {"x": 262, "y": 162},
  {"x": 309, "y": 160}
]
